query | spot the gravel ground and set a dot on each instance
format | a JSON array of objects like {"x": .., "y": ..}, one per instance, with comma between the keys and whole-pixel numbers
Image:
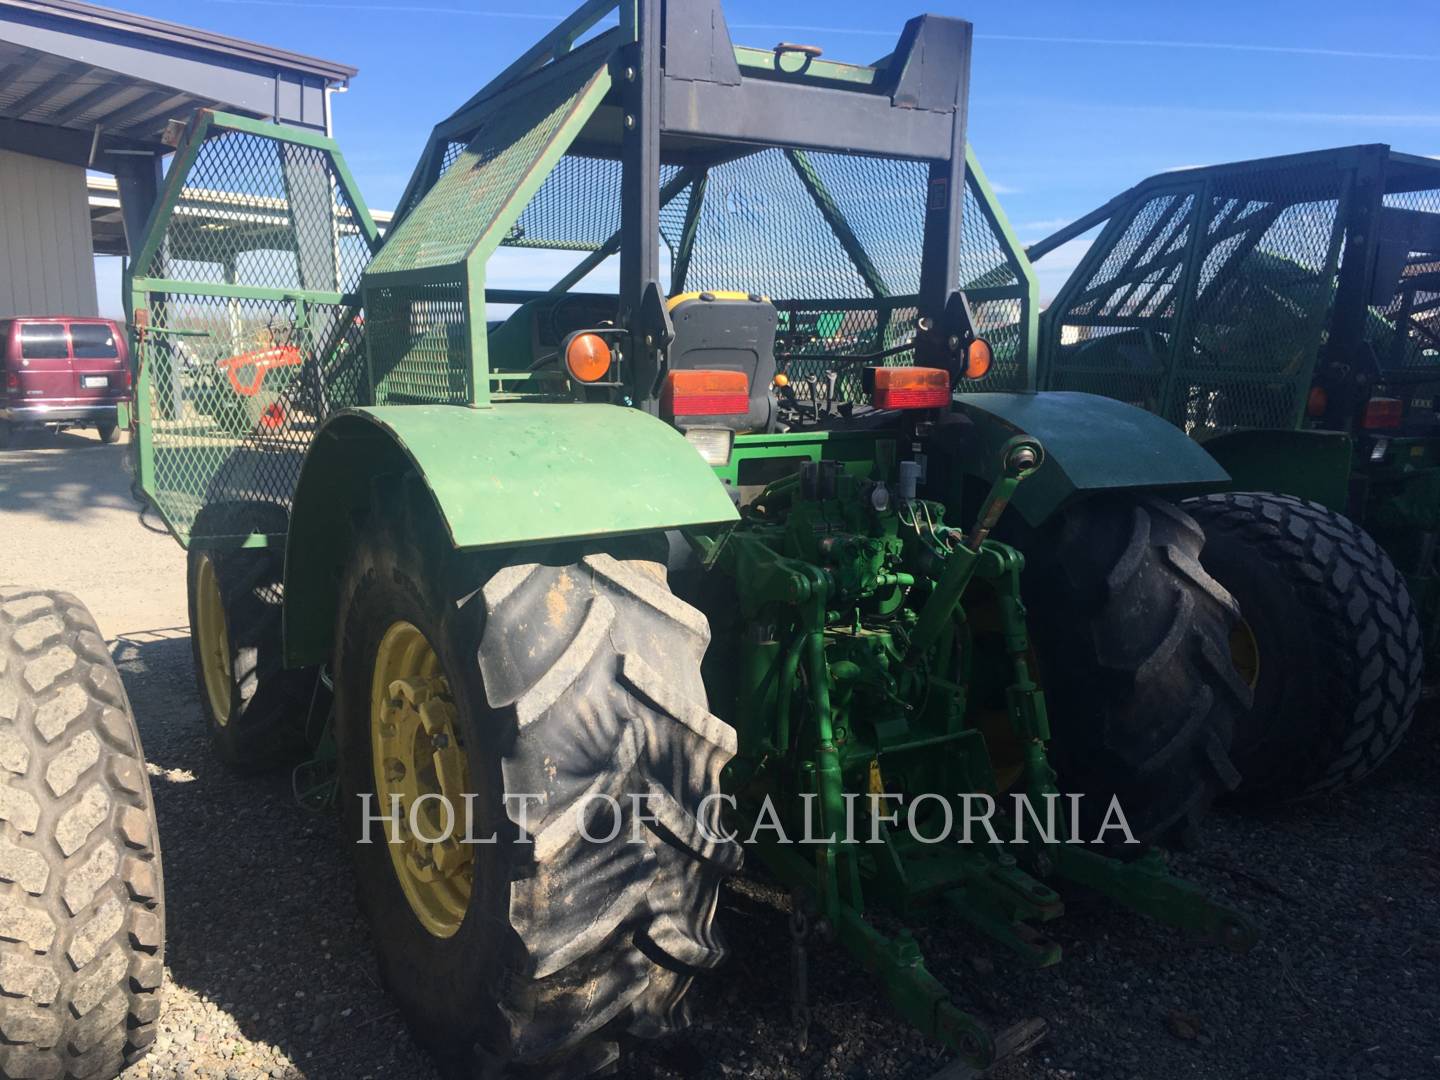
[{"x": 270, "y": 972}]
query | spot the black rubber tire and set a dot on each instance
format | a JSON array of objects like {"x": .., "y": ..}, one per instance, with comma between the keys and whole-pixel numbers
[
  {"x": 108, "y": 432},
  {"x": 1341, "y": 653},
  {"x": 1132, "y": 637},
  {"x": 269, "y": 703},
  {"x": 574, "y": 670},
  {"x": 9, "y": 434},
  {"x": 82, "y": 918}
]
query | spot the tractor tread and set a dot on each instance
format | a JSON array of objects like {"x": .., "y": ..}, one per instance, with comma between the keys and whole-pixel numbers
[
  {"x": 1127, "y": 626},
  {"x": 623, "y": 687},
  {"x": 1365, "y": 633},
  {"x": 583, "y": 689}
]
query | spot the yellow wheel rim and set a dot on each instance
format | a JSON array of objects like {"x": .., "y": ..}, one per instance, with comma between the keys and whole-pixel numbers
[
  {"x": 214, "y": 639},
  {"x": 1245, "y": 653},
  {"x": 421, "y": 777}
]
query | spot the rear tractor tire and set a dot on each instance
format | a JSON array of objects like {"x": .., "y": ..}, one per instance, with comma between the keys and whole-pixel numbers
[
  {"x": 82, "y": 917},
  {"x": 539, "y": 686},
  {"x": 255, "y": 708},
  {"x": 1330, "y": 641},
  {"x": 1132, "y": 637}
]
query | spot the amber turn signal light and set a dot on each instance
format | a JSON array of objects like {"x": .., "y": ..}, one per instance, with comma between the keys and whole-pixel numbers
[
  {"x": 978, "y": 358},
  {"x": 587, "y": 357},
  {"x": 1317, "y": 402}
]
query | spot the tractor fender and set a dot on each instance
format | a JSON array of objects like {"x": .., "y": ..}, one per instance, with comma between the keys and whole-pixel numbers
[
  {"x": 1092, "y": 444},
  {"x": 499, "y": 477},
  {"x": 1311, "y": 465}
]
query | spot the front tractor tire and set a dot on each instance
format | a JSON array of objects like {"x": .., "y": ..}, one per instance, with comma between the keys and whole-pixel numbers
[
  {"x": 254, "y": 706},
  {"x": 82, "y": 919},
  {"x": 535, "y": 687},
  {"x": 1330, "y": 641},
  {"x": 1132, "y": 637}
]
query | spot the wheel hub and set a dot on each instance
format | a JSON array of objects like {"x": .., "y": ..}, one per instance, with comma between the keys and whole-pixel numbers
[
  {"x": 214, "y": 641},
  {"x": 421, "y": 776}
]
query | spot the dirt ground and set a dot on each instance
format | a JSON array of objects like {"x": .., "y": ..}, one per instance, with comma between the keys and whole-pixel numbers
[{"x": 270, "y": 971}]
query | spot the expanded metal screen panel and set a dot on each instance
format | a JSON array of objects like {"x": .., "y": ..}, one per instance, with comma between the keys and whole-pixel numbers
[
  {"x": 464, "y": 204},
  {"x": 760, "y": 231},
  {"x": 883, "y": 203},
  {"x": 419, "y": 344},
  {"x": 986, "y": 261},
  {"x": 816, "y": 328},
  {"x": 1405, "y": 331},
  {"x": 257, "y": 212},
  {"x": 577, "y": 207},
  {"x": 236, "y": 391},
  {"x": 1213, "y": 324},
  {"x": 772, "y": 223},
  {"x": 248, "y": 331}
]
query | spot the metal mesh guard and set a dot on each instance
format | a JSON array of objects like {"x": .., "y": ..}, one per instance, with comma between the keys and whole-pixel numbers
[
  {"x": 460, "y": 210},
  {"x": 1230, "y": 344},
  {"x": 241, "y": 360}
]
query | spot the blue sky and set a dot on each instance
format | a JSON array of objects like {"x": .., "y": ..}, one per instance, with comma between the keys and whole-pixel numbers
[{"x": 1070, "y": 102}]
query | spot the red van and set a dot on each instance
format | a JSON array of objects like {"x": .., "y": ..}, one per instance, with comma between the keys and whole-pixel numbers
[{"x": 62, "y": 371}]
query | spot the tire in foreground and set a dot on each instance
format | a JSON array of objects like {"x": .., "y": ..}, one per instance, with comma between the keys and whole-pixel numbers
[
  {"x": 556, "y": 680},
  {"x": 82, "y": 922}
]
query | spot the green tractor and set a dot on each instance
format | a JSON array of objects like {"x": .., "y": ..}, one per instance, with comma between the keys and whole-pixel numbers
[
  {"x": 566, "y": 608},
  {"x": 1282, "y": 312}
]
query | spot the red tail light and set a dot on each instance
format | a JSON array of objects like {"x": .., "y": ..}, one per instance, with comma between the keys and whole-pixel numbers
[
  {"x": 705, "y": 393},
  {"x": 910, "y": 388},
  {"x": 12, "y": 381},
  {"x": 273, "y": 417},
  {"x": 1383, "y": 412}
]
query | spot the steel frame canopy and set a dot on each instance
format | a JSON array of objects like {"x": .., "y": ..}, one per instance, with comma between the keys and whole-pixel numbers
[
  {"x": 1339, "y": 234},
  {"x": 95, "y": 87},
  {"x": 668, "y": 86}
]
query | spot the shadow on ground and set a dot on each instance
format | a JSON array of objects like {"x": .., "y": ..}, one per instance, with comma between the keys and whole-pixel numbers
[
  {"x": 1346, "y": 892},
  {"x": 66, "y": 486},
  {"x": 261, "y": 913}
]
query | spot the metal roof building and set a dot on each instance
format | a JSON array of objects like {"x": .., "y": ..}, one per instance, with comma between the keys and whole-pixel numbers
[{"x": 85, "y": 87}]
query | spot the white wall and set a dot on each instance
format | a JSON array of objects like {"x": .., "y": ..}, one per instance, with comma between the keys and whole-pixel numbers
[{"x": 47, "y": 263}]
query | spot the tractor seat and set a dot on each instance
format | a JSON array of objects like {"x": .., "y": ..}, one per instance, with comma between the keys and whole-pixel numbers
[{"x": 728, "y": 331}]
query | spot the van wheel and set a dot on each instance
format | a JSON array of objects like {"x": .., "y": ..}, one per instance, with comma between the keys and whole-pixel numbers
[
  {"x": 8, "y": 431},
  {"x": 82, "y": 952},
  {"x": 530, "y": 699},
  {"x": 108, "y": 432}
]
